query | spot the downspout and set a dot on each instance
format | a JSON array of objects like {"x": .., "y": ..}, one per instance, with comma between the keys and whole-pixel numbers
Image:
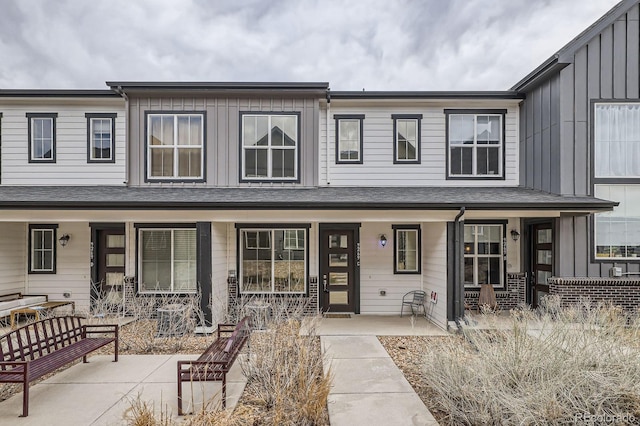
[
  {"x": 326, "y": 139},
  {"x": 457, "y": 275},
  {"x": 120, "y": 92}
]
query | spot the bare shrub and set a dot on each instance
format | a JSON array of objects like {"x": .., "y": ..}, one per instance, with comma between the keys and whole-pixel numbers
[{"x": 546, "y": 368}]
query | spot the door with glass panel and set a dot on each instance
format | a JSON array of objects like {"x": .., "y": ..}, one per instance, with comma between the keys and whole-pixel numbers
[
  {"x": 542, "y": 260},
  {"x": 338, "y": 269},
  {"x": 110, "y": 258}
]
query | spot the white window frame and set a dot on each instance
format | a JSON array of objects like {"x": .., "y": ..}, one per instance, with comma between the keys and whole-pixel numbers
[
  {"x": 45, "y": 231},
  {"x": 175, "y": 146},
  {"x": 474, "y": 162},
  {"x": 398, "y": 250},
  {"x": 292, "y": 239},
  {"x": 269, "y": 148},
  {"x": 475, "y": 255},
  {"x": 141, "y": 287},
  {"x": 257, "y": 245},
  {"x": 272, "y": 248}
]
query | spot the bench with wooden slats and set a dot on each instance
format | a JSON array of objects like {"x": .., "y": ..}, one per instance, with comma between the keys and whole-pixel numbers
[
  {"x": 216, "y": 361},
  {"x": 39, "y": 348}
]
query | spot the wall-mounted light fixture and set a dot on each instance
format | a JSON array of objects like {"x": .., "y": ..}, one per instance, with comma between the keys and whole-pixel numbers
[
  {"x": 64, "y": 240},
  {"x": 383, "y": 240},
  {"x": 515, "y": 235}
]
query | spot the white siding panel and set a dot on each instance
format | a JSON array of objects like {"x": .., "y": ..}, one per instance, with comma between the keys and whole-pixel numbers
[
  {"x": 71, "y": 167},
  {"x": 378, "y": 168},
  {"x": 219, "y": 268},
  {"x": 13, "y": 258},
  {"x": 73, "y": 273},
  {"x": 376, "y": 273},
  {"x": 434, "y": 269}
]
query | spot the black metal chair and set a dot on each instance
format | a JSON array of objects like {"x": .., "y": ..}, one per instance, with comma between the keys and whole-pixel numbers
[{"x": 414, "y": 299}]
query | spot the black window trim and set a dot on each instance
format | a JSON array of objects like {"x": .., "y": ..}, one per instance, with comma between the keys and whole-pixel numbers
[
  {"x": 405, "y": 227},
  {"x": 418, "y": 118},
  {"x": 504, "y": 246},
  {"x": 271, "y": 226},
  {"x": 448, "y": 112},
  {"x": 112, "y": 117},
  {"x": 604, "y": 181},
  {"x": 161, "y": 225},
  {"x": 337, "y": 118},
  {"x": 54, "y": 260},
  {"x": 241, "y": 177},
  {"x": 53, "y": 116},
  {"x": 149, "y": 179}
]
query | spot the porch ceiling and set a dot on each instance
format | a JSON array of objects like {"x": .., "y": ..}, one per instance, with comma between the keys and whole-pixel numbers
[{"x": 282, "y": 198}]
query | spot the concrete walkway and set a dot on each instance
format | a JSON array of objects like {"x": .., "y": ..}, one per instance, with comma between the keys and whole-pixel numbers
[
  {"x": 368, "y": 389},
  {"x": 98, "y": 393}
]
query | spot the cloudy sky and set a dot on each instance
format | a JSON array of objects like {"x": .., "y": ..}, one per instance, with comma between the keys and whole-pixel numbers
[{"x": 355, "y": 44}]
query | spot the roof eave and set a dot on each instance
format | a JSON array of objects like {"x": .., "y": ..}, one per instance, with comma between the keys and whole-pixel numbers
[{"x": 426, "y": 95}]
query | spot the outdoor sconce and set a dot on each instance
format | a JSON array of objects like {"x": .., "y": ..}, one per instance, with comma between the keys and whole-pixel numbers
[
  {"x": 383, "y": 240},
  {"x": 515, "y": 235},
  {"x": 64, "y": 240}
]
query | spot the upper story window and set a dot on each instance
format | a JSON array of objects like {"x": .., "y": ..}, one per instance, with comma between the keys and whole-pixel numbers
[
  {"x": 475, "y": 144},
  {"x": 406, "y": 249},
  {"x": 349, "y": 139},
  {"x": 42, "y": 249},
  {"x": 175, "y": 146},
  {"x": 406, "y": 138},
  {"x": 617, "y": 177},
  {"x": 42, "y": 137},
  {"x": 101, "y": 138},
  {"x": 270, "y": 147},
  {"x": 484, "y": 260}
]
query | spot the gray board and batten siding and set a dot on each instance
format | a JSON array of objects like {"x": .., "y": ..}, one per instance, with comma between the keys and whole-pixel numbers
[
  {"x": 556, "y": 139},
  {"x": 222, "y": 107}
]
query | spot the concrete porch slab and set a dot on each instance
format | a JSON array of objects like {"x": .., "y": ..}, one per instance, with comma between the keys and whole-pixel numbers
[{"x": 378, "y": 325}]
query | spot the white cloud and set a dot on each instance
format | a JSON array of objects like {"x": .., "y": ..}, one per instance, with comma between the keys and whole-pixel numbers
[{"x": 377, "y": 44}]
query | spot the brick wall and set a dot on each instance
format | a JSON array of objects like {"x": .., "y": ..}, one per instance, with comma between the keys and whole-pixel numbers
[
  {"x": 510, "y": 298},
  {"x": 624, "y": 292}
]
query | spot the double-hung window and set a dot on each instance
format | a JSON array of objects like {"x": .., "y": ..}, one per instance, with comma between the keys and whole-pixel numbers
[
  {"x": 42, "y": 249},
  {"x": 406, "y": 252},
  {"x": 273, "y": 260},
  {"x": 617, "y": 178},
  {"x": 101, "y": 138},
  {"x": 270, "y": 147},
  {"x": 484, "y": 260},
  {"x": 475, "y": 144},
  {"x": 168, "y": 261},
  {"x": 406, "y": 138},
  {"x": 42, "y": 137},
  {"x": 175, "y": 146},
  {"x": 349, "y": 139}
]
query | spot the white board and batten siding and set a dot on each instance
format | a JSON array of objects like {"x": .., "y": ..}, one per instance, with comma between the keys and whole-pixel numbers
[
  {"x": 377, "y": 271},
  {"x": 378, "y": 168},
  {"x": 71, "y": 166},
  {"x": 13, "y": 258},
  {"x": 73, "y": 268}
]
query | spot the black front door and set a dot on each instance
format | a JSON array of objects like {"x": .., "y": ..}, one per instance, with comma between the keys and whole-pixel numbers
[
  {"x": 541, "y": 261},
  {"x": 109, "y": 260},
  {"x": 339, "y": 266}
]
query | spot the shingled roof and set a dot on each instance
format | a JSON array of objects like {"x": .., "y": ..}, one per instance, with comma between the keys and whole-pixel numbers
[{"x": 358, "y": 198}]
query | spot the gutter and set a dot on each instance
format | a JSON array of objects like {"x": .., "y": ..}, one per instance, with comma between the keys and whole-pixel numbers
[{"x": 326, "y": 137}]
